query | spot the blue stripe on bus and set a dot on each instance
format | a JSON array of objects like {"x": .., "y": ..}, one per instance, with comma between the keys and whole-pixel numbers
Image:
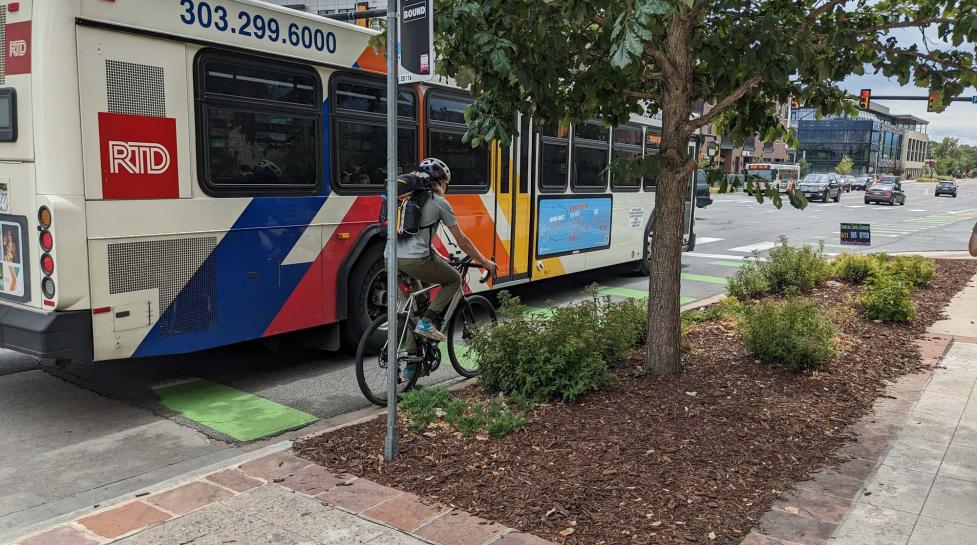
[{"x": 245, "y": 272}]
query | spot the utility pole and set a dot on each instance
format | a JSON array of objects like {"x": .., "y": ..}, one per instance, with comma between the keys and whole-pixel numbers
[{"x": 391, "y": 445}]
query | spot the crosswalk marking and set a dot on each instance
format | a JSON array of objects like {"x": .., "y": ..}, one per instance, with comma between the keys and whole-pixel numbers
[
  {"x": 706, "y": 240},
  {"x": 759, "y": 247},
  {"x": 718, "y": 256}
]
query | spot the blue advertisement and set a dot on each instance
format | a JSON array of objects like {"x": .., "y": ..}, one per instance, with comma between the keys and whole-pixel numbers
[{"x": 574, "y": 225}]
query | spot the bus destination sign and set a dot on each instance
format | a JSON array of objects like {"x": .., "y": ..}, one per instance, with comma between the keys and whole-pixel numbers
[{"x": 856, "y": 234}]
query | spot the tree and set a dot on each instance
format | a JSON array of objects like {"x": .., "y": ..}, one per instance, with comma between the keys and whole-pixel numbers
[
  {"x": 804, "y": 166},
  {"x": 845, "y": 165},
  {"x": 579, "y": 59}
]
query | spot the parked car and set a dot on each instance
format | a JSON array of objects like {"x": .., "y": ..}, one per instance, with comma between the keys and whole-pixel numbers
[
  {"x": 861, "y": 183},
  {"x": 946, "y": 188},
  {"x": 702, "y": 196},
  {"x": 888, "y": 192},
  {"x": 847, "y": 182},
  {"x": 821, "y": 187}
]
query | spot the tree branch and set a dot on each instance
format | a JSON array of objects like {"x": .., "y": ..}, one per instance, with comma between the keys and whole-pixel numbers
[
  {"x": 666, "y": 64},
  {"x": 721, "y": 106},
  {"x": 811, "y": 17},
  {"x": 947, "y": 63},
  {"x": 643, "y": 96},
  {"x": 909, "y": 24}
]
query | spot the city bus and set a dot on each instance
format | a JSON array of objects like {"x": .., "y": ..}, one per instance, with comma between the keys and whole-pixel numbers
[
  {"x": 777, "y": 175},
  {"x": 182, "y": 175}
]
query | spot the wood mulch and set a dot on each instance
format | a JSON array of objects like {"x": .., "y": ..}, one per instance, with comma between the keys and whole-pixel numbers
[{"x": 697, "y": 458}]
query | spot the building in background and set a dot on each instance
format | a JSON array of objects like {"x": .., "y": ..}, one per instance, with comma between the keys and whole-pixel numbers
[
  {"x": 877, "y": 141},
  {"x": 733, "y": 159},
  {"x": 329, "y": 7}
]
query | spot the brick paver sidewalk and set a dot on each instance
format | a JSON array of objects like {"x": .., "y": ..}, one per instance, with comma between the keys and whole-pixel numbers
[
  {"x": 912, "y": 474},
  {"x": 281, "y": 499}
]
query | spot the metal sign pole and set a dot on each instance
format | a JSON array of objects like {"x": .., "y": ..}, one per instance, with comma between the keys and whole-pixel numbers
[{"x": 391, "y": 444}]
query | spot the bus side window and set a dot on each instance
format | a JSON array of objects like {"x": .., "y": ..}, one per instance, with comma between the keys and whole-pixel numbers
[
  {"x": 446, "y": 128},
  {"x": 591, "y": 149},
  {"x": 360, "y": 127},
  {"x": 627, "y": 147},
  {"x": 259, "y": 123},
  {"x": 554, "y": 160}
]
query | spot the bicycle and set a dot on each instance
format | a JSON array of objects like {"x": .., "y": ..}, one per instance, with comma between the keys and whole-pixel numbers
[{"x": 465, "y": 316}]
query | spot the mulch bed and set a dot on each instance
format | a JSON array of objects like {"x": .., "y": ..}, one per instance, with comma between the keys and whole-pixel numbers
[{"x": 692, "y": 459}]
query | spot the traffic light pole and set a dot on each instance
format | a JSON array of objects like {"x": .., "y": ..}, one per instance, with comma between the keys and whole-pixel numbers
[{"x": 391, "y": 445}]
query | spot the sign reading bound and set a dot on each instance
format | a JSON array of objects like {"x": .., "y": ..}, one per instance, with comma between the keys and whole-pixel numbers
[
  {"x": 856, "y": 234},
  {"x": 416, "y": 51}
]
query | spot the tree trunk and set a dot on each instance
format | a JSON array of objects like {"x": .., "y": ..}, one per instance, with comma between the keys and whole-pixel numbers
[{"x": 664, "y": 351}]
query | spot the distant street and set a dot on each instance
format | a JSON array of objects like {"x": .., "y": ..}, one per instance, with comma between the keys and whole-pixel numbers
[{"x": 95, "y": 431}]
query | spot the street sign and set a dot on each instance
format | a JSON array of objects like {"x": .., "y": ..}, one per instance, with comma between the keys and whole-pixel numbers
[
  {"x": 856, "y": 234},
  {"x": 416, "y": 51},
  {"x": 973, "y": 99}
]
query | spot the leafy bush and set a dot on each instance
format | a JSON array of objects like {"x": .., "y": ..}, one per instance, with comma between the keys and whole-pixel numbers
[
  {"x": 914, "y": 269},
  {"x": 564, "y": 355},
  {"x": 945, "y": 178},
  {"x": 795, "y": 334},
  {"x": 853, "y": 268},
  {"x": 426, "y": 406},
  {"x": 887, "y": 298},
  {"x": 789, "y": 269},
  {"x": 926, "y": 180},
  {"x": 749, "y": 282},
  {"x": 792, "y": 268}
]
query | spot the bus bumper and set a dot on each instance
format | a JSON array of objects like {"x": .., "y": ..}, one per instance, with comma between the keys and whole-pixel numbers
[{"x": 61, "y": 335}]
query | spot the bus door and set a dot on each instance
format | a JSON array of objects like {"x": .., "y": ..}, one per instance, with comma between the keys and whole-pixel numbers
[{"x": 511, "y": 177}]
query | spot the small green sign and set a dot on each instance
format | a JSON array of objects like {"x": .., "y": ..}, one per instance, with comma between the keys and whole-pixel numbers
[{"x": 856, "y": 234}]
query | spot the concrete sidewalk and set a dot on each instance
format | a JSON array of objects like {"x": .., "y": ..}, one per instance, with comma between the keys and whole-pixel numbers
[{"x": 280, "y": 499}]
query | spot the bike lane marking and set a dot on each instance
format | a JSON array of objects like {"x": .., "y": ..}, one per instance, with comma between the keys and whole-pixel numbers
[{"x": 234, "y": 413}]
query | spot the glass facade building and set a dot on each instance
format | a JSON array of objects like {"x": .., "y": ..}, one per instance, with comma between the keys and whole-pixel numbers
[{"x": 872, "y": 139}]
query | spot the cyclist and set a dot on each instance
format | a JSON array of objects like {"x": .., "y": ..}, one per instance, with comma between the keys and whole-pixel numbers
[{"x": 417, "y": 259}]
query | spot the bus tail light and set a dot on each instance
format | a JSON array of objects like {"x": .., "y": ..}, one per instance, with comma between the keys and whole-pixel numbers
[
  {"x": 47, "y": 241},
  {"x": 44, "y": 217},
  {"x": 47, "y": 287},
  {"x": 47, "y": 264}
]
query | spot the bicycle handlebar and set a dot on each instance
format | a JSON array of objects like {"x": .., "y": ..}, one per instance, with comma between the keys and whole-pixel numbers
[{"x": 469, "y": 263}]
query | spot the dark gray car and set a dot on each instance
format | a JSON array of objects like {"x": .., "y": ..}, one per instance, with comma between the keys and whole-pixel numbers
[
  {"x": 886, "y": 192},
  {"x": 821, "y": 187}
]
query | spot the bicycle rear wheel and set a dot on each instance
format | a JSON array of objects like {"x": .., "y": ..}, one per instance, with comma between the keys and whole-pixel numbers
[
  {"x": 371, "y": 360},
  {"x": 473, "y": 314}
]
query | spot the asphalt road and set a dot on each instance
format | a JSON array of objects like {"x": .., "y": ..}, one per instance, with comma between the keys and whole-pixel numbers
[{"x": 80, "y": 436}]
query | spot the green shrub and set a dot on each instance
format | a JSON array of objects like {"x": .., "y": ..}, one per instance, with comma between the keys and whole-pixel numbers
[
  {"x": 914, "y": 269},
  {"x": 926, "y": 180},
  {"x": 562, "y": 356},
  {"x": 749, "y": 282},
  {"x": 887, "y": 297},
  {"x": 426, "y": 406},
  {"x": 788, "y": 269},
  {"x": 945, "y": 178},
  {"x": 796, "y": 334},
  {"x": 791, "y": 268},
  {"x": 853, "y": 268}
]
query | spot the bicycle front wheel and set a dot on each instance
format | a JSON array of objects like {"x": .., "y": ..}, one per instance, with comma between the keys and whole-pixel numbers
[
  {"x": 372, "y": 364},
  {"x": 475, "y": 313}
]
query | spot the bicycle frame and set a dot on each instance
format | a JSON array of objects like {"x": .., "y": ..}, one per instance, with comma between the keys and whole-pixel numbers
[{"x": 409, "y": 305}]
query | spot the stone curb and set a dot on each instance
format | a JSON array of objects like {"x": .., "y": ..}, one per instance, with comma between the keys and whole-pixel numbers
[
  {"x": 402, "y": 511},
  {"x": 809, "y": 513}
]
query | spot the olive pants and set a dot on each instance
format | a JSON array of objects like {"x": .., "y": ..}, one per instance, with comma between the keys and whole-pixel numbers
[{"x": 433, "y": 270}]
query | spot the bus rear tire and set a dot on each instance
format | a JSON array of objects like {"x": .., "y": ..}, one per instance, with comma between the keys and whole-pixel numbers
[{"x": 362, "y": 307}]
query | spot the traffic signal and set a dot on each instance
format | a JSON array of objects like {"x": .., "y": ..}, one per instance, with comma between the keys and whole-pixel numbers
[
  {"x": 931, "y": 103},
  {"x": 865, "y": 99},
  {"x": 794, "y": 104}
]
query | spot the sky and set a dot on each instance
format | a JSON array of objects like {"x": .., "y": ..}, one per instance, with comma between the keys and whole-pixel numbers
[{"x": 959, "y": 120}]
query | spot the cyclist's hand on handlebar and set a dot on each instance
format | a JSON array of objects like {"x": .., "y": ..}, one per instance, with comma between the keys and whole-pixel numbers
[{"x": 490, "y": 266}]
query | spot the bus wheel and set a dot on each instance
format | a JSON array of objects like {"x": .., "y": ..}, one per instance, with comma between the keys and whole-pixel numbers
[
  {"x": 643, "y": 267},
  {"x": 367, "y": 294}
]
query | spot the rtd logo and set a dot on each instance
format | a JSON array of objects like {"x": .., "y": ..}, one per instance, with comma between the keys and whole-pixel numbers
[
  {"x": 18, "y": 48},
  {"x": 138, "y": 158}
]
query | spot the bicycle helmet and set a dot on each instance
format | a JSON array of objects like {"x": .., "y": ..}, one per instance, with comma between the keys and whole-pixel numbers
[{"x": 436, "y": 169}]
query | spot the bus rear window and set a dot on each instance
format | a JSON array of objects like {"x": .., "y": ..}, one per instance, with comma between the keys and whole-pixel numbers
[{"x": 8, "y": 115}]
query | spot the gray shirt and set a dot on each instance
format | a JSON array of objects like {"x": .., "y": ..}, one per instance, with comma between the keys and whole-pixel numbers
[{"x": 436, "y": 210}]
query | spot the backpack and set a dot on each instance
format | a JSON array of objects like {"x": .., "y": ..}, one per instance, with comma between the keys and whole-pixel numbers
[{"x": 413, "y": 192}]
